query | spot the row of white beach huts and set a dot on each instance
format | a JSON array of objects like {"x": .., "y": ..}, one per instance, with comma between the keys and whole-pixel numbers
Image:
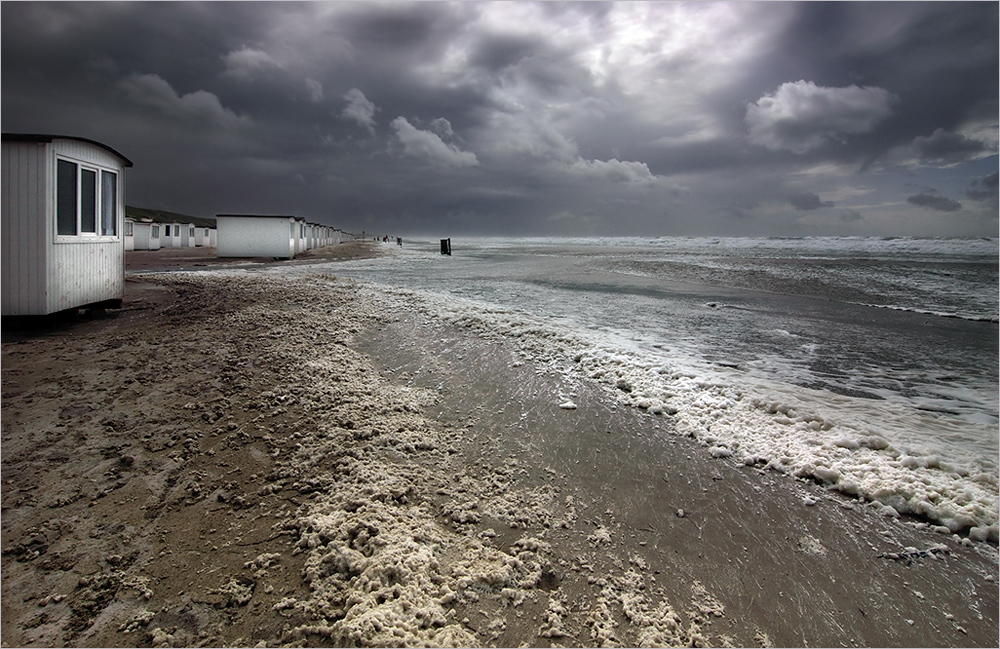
[
  {"x": 152, "y": 235},
  {"x": 243, "y": 235},
  {"x": 64, "y": 232}
]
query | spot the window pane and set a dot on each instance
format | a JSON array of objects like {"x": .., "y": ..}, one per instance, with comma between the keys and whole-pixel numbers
[
  {"x": 88, "y": 200},
  {"x": 66, "y": 198},
  {"x": 109, "y": 203}
]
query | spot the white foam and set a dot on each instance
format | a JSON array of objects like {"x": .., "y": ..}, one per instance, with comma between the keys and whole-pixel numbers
[{"x": 860, "y": 447}]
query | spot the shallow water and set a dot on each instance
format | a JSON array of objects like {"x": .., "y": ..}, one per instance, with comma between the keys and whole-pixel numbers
[{"x": 870, "y": 364}]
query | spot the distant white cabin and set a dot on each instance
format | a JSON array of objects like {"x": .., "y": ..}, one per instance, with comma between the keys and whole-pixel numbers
[
  {"x": 188, "y": 235},
  {"x": 203, "y": 236},
  {"x": 61, "y": 224},
  {"x": 258, "y": 235},
  {"x": 170, "y": 237},
  {"x": 146, "y": 236},
  {"x": 128, "y": 235},
  {"x": 301, "y": 236}
]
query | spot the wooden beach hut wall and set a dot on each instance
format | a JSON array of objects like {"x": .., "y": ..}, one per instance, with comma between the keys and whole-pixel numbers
[
  {"x": 62, "y": 209},
  {"x": 129, "y": 235},
  {"x": 213, "y": 237},
  {"x": 257, "y": 235},
  {"x": 146, "y": 236}
]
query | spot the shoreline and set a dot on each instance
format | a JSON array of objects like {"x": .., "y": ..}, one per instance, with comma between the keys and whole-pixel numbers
[{"x": 305, "y": 466}]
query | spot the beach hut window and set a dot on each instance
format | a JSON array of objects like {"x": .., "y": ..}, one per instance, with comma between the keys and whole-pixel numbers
[
  {"x": 88, "y": 201},
  {"x": 80, "y": 199},
  {"x": 109, "y": 203},
  {"x": 66, "y": 198},
  {"x": 155, "y": 230}
]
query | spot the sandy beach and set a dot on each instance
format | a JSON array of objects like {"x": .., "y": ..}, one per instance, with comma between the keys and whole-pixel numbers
[{"x": 237, "y": 459}]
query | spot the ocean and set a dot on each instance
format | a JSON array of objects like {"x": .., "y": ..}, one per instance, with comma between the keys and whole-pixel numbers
[{"x": 869, "y": 365}]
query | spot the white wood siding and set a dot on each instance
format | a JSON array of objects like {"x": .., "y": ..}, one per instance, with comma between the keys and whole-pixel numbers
[
  {"x": 84, "y": 273},
  {"x": 24, "y": 232}
]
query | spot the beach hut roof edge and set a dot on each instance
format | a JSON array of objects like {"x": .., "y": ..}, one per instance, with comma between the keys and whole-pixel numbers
[{"x": 46, "y": 138}]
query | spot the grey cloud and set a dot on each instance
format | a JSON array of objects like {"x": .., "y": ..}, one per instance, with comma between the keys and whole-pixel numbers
[
  {"x": 442, "y": 127},
  {"x": 800, "y": 116},
  {"x": 246, "y": 61},
  {"x": 315, "y": 89},
  {"x": 200, "y": 105},
  {"x": 946, "y": 147},
  {"x": 938, "y": 203},
  {"x": 430, "y": 147},
  {"x": 359, "y": 109},
  {"x": 615, "y": 170},
  {"x": 982, "y": 189},
  {"x": 807, "y": 201}
]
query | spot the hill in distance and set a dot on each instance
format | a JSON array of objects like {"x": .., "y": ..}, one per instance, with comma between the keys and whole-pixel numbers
[{"x": 162, "y": 216}]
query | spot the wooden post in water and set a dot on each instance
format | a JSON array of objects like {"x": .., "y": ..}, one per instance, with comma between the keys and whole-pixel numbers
[{"x": 446, "y": 247}]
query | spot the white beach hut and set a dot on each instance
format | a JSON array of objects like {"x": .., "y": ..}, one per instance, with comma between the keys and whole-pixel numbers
[
  {"x": 202, "y": 236},
  {"x": 301, "y": 241},
  {"x": 213, "y": 237},
  {"x": 170, "y": 237},
  {"x": 188, "y": 235},
  {"x": 146, "y": 235},
  {"x": 62, "y": 215},
  {"x": 129, "y": 235},
  {"x": 258, "y": 235}
]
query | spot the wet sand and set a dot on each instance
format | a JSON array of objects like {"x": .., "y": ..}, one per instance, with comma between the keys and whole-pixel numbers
[{"x": 256, "y": 461}]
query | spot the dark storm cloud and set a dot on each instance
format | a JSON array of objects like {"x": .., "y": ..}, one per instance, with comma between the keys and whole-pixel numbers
[
  {"x": 808, "y": 201},
  {"x": 945, "y": 147},
  {"x": 939, "y": 203},
  {"x": 518, "y": 117},
  {"x": 982, "y": 189}
]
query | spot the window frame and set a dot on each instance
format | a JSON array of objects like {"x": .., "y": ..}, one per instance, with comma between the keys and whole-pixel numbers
[{"x": 100, "y": 172}]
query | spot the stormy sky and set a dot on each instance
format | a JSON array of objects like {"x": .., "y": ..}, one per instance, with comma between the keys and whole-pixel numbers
[{"x": 520, "y": 118}]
